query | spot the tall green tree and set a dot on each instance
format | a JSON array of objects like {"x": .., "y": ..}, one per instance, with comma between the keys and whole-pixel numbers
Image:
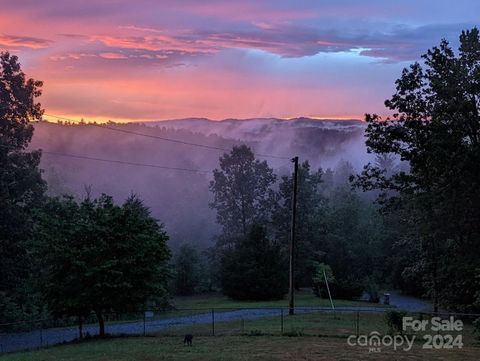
[
  {"x": 21, "y": 184},
  {"x": 254, "y": 268},
  {"x": 436, "y": 129},
  {"x": 187, "y": 270},
  {"x": 311, "y": 227},
  {"x": 242, "y": 192},
  {"x": 99, "y": 257},
  {"x": 353, "y": 242}
]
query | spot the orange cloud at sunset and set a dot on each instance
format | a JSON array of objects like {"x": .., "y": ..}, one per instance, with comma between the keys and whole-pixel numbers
[
  {"x": 15, "y": 42},
  {"x": 149, "y": 60}
]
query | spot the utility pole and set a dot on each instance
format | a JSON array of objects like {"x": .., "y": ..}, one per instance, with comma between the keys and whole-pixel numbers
[{"x": 291, "y": 309}]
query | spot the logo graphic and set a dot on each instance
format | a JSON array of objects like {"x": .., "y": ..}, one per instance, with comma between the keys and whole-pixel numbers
[{"x": 436, "y": 333}]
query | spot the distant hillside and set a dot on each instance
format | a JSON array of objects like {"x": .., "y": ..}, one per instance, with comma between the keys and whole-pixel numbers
[
  {"x": 180, "y": 199},
  {"x": 322, "y": 142}
]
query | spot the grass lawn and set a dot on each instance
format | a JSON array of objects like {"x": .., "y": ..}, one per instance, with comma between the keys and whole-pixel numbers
[
  {"x": 303, "y": 298},
  {"x": 342, "y": 324},
  {"x": 313, "y": 324},
  {"x": 233, "y": 348}
]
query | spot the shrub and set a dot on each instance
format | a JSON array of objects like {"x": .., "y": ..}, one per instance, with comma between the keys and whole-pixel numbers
[
  {"x": 294, "y": 332},
  {"x": 373, "y": 291},
  {"x": 318, "y": 279},
  {"x": 255, "y": 333},
  {"x": 395, "y": 321},
  {"x": 476, "y": 325}
]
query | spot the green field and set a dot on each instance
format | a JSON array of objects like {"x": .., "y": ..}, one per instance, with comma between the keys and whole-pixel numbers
[
  {"x": 318, "y": 336},
  {"x": 340, "y": 324},
  {"x": 233, "y": 348},
  {"x": 313, "y": 324},
  {"x": 303, "y": 298}
]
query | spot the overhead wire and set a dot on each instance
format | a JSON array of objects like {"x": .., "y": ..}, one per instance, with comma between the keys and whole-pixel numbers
[
  {"x": 165, "y": 138},
  {"x": 116, "y": 161},
  {"x": 78, "y": 156}
]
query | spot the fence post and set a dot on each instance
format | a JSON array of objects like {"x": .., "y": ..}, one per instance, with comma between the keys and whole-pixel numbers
[
  {"x": 41, "y": 334},
  {"x": 213, "y": 322},
  {"x": 281, "y": 321},
  {"x": 357, "y": 323},
  {"x": 144, "y": 326},
  {"x": 80, "y": 327}
]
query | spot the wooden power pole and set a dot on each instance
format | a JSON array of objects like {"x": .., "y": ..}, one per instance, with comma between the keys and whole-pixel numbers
[{"x": 291, "y": 309}]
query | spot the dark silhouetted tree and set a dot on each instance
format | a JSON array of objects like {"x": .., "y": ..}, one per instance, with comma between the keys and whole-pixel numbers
[
  {"x": 21, "y": 185},
  {"x": 96, "y": 256},
  {"x": 311, "y": 207},
  {"x": 254, "y": 268},
  {"x": 187, "y": 270},
  {"x": 436, "y": 129},
  {"x": 242, "y": 192}
]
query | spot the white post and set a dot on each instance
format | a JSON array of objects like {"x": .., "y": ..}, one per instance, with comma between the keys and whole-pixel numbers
[{"x": 329, "y": 294}]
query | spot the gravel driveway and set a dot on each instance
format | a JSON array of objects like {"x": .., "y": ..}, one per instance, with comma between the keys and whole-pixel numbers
[{"x": 28, "y": 340}]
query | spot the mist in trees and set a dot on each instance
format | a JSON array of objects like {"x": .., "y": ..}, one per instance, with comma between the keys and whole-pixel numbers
[
  {"x": 337, "y": 227},
  {"x": 435, "y": 202},
  {"x": 191, "y": 220},
  {"x": 410, "y": 220}
]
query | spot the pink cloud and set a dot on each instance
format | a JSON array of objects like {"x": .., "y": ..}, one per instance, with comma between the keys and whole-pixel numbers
[
  {"x": 14, "y": 41},
  {"x": 112, "y": 56},
  {"x": 151, "y": 43},
  {"x": 151, "y": 59}
]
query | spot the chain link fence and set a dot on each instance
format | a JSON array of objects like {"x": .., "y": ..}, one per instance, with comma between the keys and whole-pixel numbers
[{"x": 307, "y": 321}]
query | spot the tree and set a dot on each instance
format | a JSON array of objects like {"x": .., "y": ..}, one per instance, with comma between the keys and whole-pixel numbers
[
  {"x": 21, "y": 184},
  {"x": 254, "y": 268},
  {"x": 242, "y": 192},
  {"x": 321, "y": 271},
  {"x": 436, "y": 129},
  {"x": 352, "y": 246},
  {"x": 96, "y": 256},
  {"x": 311, "y": 206},
  {"x": 187, "y": 270}
]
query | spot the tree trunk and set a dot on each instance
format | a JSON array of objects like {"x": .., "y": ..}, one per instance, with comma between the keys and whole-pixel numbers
[{"x": 101, "y": 323}]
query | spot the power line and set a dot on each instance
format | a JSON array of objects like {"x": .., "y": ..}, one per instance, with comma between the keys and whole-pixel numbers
[
  {"x": 164, "y": 138},
  {"x": 78, "y": 156},
  {"x": 124, "y": 162}
]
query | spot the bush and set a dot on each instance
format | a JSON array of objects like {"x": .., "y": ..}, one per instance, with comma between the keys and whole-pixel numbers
[
  {"x": 395, "y": 321},
  {"x": 476, "y": 325},
  {"x": 339, "y": 288},
  {"x": 294, "y": 332},
  {"x": 373, "y": 291},
  {"x": 255, "y": 333},
  {"x": 318, "y": 280}
]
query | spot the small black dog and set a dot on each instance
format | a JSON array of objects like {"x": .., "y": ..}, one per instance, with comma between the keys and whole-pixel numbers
[{"x": 188, "y": 339}]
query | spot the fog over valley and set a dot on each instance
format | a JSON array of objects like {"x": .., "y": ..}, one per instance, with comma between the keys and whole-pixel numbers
[{"x": 179, "y": 198}]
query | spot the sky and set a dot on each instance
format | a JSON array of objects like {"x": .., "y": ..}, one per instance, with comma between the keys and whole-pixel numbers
[{"x": 126, "y": 60}]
